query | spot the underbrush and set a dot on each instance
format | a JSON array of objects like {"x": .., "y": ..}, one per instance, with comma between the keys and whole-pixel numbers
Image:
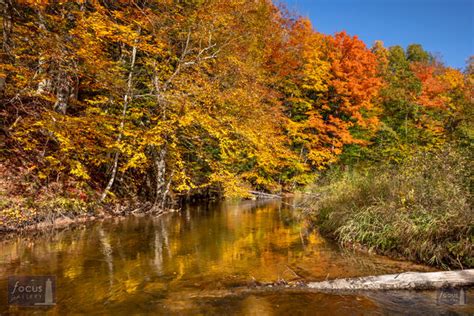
[
  {"x": 24, "y": 203},
  {"x": 421, "y": 210}
]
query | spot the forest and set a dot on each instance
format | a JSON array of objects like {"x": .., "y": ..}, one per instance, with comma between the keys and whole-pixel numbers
[{"x": 110, "y": 106}]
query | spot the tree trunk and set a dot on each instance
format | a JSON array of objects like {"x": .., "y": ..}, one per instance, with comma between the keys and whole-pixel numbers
[
  {"x": 402, "y": 281},
  {"x": 126, "y": 100},
  {"x": 62, "y": 94},
  {"x": 263, "y": 195},
  {"x": 167, "y": 191},
  {"x": 160, "y": 171},
  {"x": 7, "y": 28},
  {"x": 2, "y": 82},
  {"x": 45, "y": 84}
]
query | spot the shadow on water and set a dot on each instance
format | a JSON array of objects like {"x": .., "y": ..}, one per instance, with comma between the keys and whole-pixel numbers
[{"x": 196, "y": 260}]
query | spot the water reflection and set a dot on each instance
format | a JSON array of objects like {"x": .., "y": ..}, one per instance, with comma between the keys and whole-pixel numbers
[{"x": 191, "y": 261}]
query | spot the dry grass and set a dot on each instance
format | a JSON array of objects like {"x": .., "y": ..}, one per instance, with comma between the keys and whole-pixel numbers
[{"x": 421, "y": 210}]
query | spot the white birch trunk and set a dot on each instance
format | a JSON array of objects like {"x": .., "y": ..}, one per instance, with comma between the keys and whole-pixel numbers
[{"x": 126, "y": 100}]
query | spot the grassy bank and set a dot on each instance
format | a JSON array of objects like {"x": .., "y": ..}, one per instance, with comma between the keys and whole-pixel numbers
[{"x": 421, "y": 210}]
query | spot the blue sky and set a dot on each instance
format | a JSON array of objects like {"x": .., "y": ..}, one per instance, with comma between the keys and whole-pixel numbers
[{"x": 443, "y": 27}]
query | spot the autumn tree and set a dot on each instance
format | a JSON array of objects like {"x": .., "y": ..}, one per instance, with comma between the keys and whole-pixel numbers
[
  {"x": 329, "y": 95},
  {"x": 147, "y": 101},
  {"x": 422, "y": 102}
]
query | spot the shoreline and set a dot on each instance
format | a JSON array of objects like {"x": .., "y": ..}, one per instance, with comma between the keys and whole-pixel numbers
[
  {"x": 109, "y": 212},
  {"x": 67, "y": 221}
]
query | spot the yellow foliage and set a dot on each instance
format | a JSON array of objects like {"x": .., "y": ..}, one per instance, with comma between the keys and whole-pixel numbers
[{"x": 79, "y": 171}]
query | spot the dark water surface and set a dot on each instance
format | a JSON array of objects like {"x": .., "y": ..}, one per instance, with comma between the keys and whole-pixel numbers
[{"x": 203, "y": 260}]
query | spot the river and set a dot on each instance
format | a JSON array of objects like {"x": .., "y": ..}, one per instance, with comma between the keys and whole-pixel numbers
[{"x": 205, "y": 259}]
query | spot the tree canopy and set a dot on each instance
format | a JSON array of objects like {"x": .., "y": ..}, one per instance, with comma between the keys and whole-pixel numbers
[{"x": 148, "y": 100}]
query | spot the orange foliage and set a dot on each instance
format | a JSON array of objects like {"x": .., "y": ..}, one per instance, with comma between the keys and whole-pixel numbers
[
  {"x": 354, "y": 79},
  {"x": 334, "y": 84},
  {"x": 433, "y": 86}
]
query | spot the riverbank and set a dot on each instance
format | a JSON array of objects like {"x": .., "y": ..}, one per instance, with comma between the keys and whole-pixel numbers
[
  {"x": 419, "y": 211},
  {"x": 12, "y": 224},
  {"x": 26, "y": 205}
]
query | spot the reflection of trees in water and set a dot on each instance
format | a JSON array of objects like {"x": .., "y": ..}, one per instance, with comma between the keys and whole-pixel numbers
[
  {"x": 107, "y": 252},
  {"x": 161, "y": 242},
  {"x": 208, "y": 246}
]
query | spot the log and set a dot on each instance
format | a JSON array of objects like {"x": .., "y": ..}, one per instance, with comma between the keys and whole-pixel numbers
[
  {"x": 264, "y": 195},
  {"x": 402, "y": 281}
]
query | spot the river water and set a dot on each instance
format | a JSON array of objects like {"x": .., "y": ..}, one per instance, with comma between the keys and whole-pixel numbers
[{"x": 206, "y": 259}]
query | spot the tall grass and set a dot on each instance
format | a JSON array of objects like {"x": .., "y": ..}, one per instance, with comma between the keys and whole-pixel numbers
[{"x": 421, "y": 210}]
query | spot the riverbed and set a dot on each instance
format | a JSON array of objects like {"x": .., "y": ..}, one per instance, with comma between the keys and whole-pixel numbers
[{"x": 206, "y": 259}]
